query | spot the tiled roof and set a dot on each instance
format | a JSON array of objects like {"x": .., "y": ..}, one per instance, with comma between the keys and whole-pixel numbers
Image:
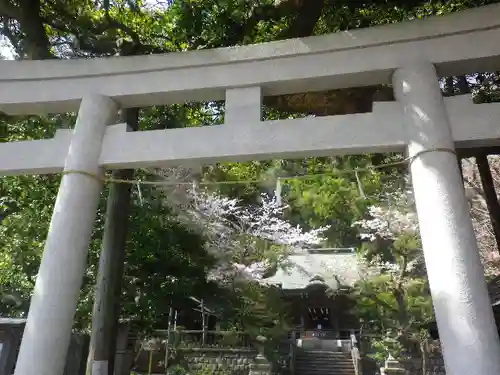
[{"x": 333, "y": 267}]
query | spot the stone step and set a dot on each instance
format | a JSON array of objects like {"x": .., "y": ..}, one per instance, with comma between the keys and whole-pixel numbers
[
  {"x": 349, "y": 368},
  {"x": 323, "y": 359},
  {"x": 323, "y": 356},
  {"x": 327, "y": 357},
  {"x": 324, "y": 372},
  {"x": 318, "y": 363},
  {"x": 301, "y": 370},
  {"x": 311, "y": 363},
  {"x": 322, "y": 352},
  {"x": 323, "y": 363}
]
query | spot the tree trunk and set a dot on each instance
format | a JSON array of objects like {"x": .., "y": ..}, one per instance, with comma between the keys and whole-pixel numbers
[
  {"x": 108, "y": 289},
  {"x": 36, "y": 43},
  {"x": 490, "y": 194},
  {"x": 485, "y": 175},
  {"x": 423, "y": 352}
]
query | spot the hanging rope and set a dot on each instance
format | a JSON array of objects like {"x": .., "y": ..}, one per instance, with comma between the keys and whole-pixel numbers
[{"x": 406, "y": 161}]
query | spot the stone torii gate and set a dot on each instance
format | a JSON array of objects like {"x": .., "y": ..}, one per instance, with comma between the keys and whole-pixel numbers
[{"x": 410, "y": 55}]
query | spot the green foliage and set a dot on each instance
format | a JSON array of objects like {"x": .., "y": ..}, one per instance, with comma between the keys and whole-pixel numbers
[
  {"x": 205, "y": 370},
  {"x": 394, "y": 301},
  {"x": 165, "y": 261},
  {"x": 332, "y": 197},
  {"x": 26, "y": 204},
  {"x": 177, "y": 370},
  {"x": 254, "y": 309}
]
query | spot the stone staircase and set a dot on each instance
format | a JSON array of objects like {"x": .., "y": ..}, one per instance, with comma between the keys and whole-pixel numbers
[{"x": 309, "y": 362}]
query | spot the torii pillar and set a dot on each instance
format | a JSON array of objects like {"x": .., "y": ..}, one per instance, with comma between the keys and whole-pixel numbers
[
  {"x": 463, "y": 310},
  {"x": 47, "y": 333}
]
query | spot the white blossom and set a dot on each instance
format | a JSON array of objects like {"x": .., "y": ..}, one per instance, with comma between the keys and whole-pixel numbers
[
  {"x": 235, "y": 231},
  {"x": 233, "y": 228},
  {"x": 389, "y": 220}
]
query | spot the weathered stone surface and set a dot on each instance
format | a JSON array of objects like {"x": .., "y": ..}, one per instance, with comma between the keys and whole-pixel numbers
[
  {"x": 435, "y": 366},
  {"x": 225, "y": 361}
]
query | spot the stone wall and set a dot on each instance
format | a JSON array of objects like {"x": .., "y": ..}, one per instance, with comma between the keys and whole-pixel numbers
[
  {"x": 11, "y": 335},
  {"x": 220, "y": 361},
  {"x": 413, "y": 366},
  {"x": 435, "y": 366}
]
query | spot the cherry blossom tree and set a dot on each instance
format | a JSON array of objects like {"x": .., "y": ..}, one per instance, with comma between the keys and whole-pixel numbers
[
  {"x": 391, "y": 223},
  {"x": 480, "y": 215},
  {"x": 393, "y": 298},
  {"x": 245, "y": 239}
]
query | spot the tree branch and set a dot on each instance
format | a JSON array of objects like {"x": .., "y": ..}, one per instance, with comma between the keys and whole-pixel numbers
[
  {"x": 306, "y": 15},
  {"x": 9, "y": 10},
  {"x": 37, "y": 43}
]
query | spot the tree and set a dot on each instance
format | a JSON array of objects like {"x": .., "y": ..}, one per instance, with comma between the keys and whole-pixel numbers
[
  {"x": 480, "y": 215},
  {"x": 40, "y": 29},
  {"x": 245, "y": 239},
  {"x": 166, "y": 262},
  {"x": 394, "y": 300},
  {"x": 26, "y": 208}
]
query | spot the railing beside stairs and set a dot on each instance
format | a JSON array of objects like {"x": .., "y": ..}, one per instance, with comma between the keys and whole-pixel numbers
[{"x": 356, "y": 357}]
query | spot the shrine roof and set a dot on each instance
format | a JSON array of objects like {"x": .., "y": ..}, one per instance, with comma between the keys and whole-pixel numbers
[{"x": 332, "y": 267}]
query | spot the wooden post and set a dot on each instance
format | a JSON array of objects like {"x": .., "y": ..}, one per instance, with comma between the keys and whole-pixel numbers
[
  {"x": 203, "y": 325},
  {"x": 302, "y": 318},
  {"x": 460, "y": 168},
  {"x": 167, "y": 340},
  {"x": 110, "y": 273}
]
